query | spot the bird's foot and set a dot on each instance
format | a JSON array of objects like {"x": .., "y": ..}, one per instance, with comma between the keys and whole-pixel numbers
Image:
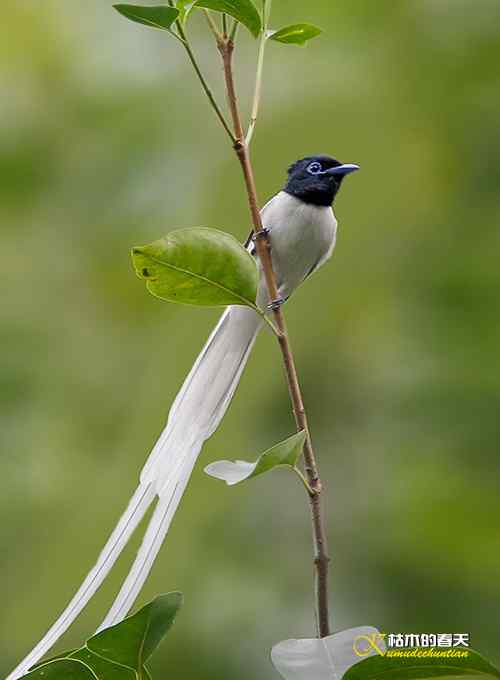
[
  {"x": 276, "y": 304},
  {"x": 262, "y": 233}
]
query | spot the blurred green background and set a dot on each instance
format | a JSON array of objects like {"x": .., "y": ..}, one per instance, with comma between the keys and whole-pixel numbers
[{"x": 105, "y": 142}]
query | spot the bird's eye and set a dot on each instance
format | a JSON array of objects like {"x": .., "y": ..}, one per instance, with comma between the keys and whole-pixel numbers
[{"x": 314, "y": 168}]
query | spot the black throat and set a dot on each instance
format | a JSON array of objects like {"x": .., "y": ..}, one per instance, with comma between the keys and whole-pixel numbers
[{"x": 312, "y": 193}]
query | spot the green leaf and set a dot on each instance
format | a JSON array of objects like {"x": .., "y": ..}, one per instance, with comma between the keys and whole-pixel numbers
[
  {"x": 184, "y": 7},
  {"x": 99, "y": 667},
  {"x": 103, "y": 669},
  {"x": 131, "y": 642},
  {"x": 423, "y": 668},
  {"x": 85, "y": 662},
  {"x": 154, "y": 17},
  {"x": 242, "y": 10},
  {"x": 119, "y": 652},
  {"x": 284, "y": 454},
  {"x": 198, "y": 266},
  {"x": 61, "y": 669},
  {"x": 57, "y": 657},
  {"x": 296, "y": 34}
]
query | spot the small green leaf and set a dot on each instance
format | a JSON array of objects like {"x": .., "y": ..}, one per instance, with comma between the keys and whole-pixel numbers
[
  {"x": 296, "y": 34},
  {"x": 284, "y": 454},
  {"x": 242, "y": 10},
  {"x": 154, "y": 17},
  {"x": 131, "y": 642},
  {"x": 198, "y": 266},
  {"x": 61, "y": 669},
  {"x": 424, "y": 668}
]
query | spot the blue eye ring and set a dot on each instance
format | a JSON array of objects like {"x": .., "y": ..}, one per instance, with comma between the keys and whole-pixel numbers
[{"x": 315, "y": 168}]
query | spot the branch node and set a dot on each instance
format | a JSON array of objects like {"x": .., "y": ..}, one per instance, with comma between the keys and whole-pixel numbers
[
  {"x": 322, "y": 560},
  {"x": 316, "y": 485}
]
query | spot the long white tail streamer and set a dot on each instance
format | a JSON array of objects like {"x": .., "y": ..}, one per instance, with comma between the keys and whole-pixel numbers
[
  {"x": 195, "y": 415},
  {"x": 137, "y": 507},
  {"x": 153, "y": 540}
]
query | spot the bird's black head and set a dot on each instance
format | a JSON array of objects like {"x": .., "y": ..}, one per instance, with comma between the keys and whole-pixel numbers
[{"x": 316, "y": 179}]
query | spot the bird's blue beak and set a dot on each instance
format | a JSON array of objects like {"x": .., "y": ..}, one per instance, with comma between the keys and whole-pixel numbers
[{"x": 343, "y": 169}]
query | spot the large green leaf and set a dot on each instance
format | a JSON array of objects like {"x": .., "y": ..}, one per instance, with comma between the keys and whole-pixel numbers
[
  {"x": 131, "y": 642},
  {"x": 198, "y": 266},
  {"x": 102, "y": 669},
  {"x": 296, "y": 34},
  {"x": 155, "y": 17},
  {"x": 284, "y": 454},
  {"x": 83, "y": 664},
  {"x": 61, "y": 669},
  {"x": 119, "y": 652},
  {"x": 56, "y": 657},
  {"x": 242, "y": 10},
  {"x": 424, "y": 668}
]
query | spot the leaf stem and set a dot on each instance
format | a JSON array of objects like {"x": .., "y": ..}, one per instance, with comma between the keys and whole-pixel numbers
[
  {"x": 304, "y": 481},
  {"x": 263, "y": 247},
  {"x": 266, "y": 318}
]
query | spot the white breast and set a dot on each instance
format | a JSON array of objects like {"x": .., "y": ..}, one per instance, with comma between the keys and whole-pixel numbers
[{"x": 302, "y": 238}]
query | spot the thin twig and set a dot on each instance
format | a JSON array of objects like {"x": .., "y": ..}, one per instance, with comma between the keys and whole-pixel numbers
[
  {"x": 263, "y": 247},
  {"x": 212, "y": 25},
  {"x": 224, "y": 26},
  {"x": 258, "y": 87},
  {"x": 201, "y": 78},
  {"x": 266, "y": 10},
  {"x": 234, "y": 31}
]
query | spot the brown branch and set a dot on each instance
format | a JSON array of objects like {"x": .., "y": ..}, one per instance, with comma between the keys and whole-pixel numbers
[{"x": 263, "y": 247}]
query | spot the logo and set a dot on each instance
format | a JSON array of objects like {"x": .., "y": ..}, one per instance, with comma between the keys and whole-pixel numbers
[
  {"x": 444, "y": 645},
  {"x": 365, "y": 645}
]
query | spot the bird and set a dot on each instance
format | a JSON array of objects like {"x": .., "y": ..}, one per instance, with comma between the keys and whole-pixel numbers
[{"x": 301, "y": 227}]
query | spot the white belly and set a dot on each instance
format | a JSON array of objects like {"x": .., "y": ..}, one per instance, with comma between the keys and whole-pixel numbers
[{"x": 302, "y": 238}]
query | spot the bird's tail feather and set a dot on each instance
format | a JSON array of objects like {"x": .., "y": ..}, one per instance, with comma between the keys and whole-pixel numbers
[
  {"x": 151, "y": 544},
  {"x": 206, "y": 393},
  {"x": 137, "y": 507},
  {"x": 195, "y": 414}
]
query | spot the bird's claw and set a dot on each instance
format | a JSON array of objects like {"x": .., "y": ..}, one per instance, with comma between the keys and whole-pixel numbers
[
  {"x": 276, "y": 304},
  {"x": 262, "y": 233}
]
